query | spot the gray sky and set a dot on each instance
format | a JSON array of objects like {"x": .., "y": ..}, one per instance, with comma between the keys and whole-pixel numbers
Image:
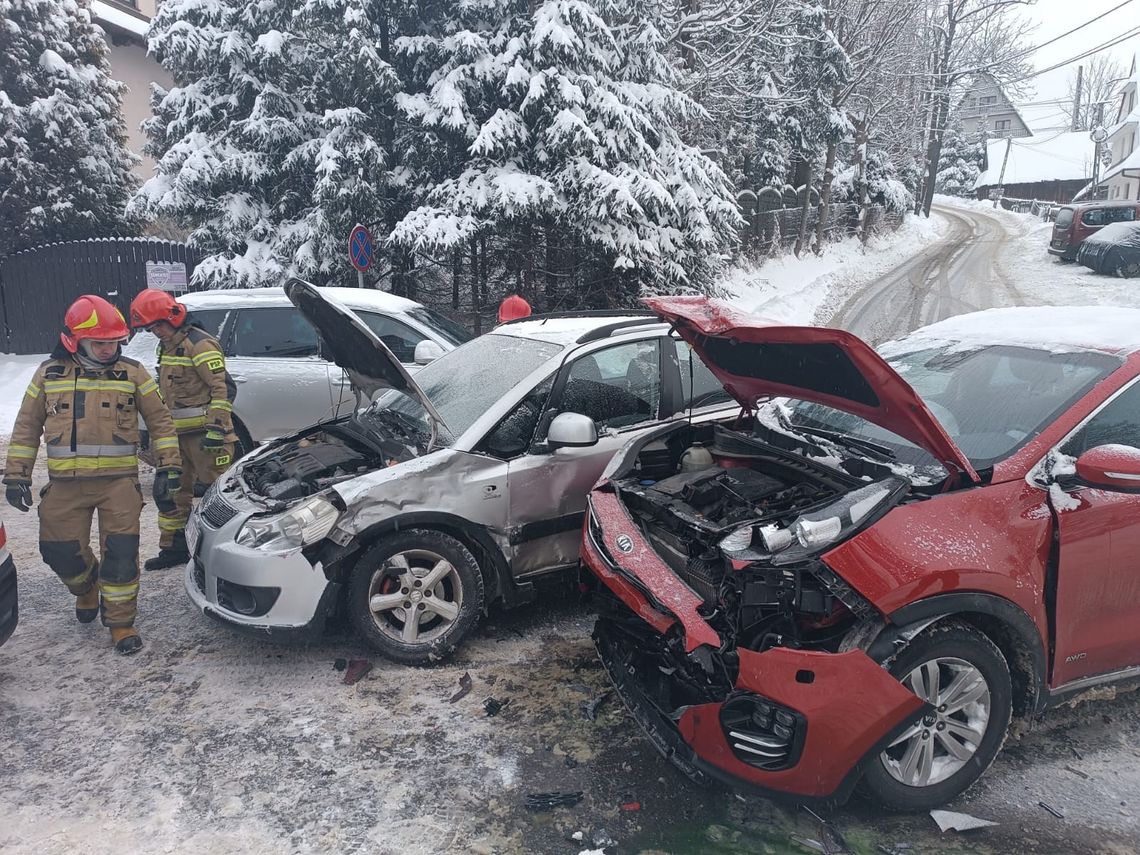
[{"x": 1053, "y": 17}]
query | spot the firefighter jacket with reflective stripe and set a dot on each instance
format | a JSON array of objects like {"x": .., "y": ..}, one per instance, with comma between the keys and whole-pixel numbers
[
  {"x": 194, "y": 381},
  {"x": 89, "y": 421}
]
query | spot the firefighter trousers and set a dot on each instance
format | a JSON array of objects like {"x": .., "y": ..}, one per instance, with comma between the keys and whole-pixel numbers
[
  {"x": 198, "y": 466},
  {"x": 66, "y": 510}
]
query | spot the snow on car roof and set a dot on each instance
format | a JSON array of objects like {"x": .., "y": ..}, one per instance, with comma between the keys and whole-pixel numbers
[
  {"x": 364, "y": 298},
  {"x": 1126, "y": 234},
  {"x": 1058, "y": 329},
  {"x": 564, "y": 330}
]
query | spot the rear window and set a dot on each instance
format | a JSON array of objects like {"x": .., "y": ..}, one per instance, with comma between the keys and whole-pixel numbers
[
  {"x": 1065, "y": 217},
  {"x": 1104, "y": 216}
]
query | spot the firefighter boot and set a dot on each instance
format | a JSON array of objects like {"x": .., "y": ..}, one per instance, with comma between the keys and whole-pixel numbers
[
  {"x": 126, "y": 640},
  {"x": 87, "y": 606},
  {"x": 170, "y": 556}
]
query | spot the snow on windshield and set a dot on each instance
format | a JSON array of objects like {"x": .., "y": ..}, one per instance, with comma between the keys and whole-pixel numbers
[{"x": 466, "y": 382}]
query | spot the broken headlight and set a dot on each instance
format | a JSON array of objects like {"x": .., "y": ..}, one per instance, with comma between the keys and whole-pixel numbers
[
  {"x": 304, "y": 523},
  {"x": 812, "y": 532}
]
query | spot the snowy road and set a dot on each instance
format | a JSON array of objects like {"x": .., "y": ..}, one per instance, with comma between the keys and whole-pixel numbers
[{"x": 962, "y": 272}]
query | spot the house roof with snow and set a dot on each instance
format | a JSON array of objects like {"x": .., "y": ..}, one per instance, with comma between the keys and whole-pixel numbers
[
  {"x": 121, "y": 18},
  {"x": 1064, "y": 156}
]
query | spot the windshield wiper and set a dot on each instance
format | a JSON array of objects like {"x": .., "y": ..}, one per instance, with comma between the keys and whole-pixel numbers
[{"x": 846, "y": 439}]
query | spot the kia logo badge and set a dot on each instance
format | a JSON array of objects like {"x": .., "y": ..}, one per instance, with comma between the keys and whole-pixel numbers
[{"x": 625, "y": 543}]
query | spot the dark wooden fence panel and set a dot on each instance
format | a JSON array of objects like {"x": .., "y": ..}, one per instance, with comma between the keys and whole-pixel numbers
[{"x": 37, "y": 285}]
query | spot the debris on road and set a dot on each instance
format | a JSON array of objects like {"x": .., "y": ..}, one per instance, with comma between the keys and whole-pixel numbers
[
  {"x": 590, "y": 708},
  {"x": 813, "y": 845},
  {"x": 464, "y": 688},
  {"x": 1077, "y": 772},
  {"x": 1051, "y": 809},
  {"x": 630, "y": 805},
  {"x": 547, "y": 801},
  {"x": 602, "y": 839},
  {"x": 949, "y": 820},
  {"x": 340, "y": 664},
  {"x": 494, "y": 706},
  {"x": 580, "y": 688},
  {"x": 829, "y": 836},
  {"x": 356, "y": 669}
]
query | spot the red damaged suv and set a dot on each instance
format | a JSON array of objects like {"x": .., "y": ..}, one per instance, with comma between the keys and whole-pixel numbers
[{"x": 884, "y": 557}]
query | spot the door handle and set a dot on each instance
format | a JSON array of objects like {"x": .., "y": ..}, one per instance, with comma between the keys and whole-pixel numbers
[{"x": 238, "y": 378}]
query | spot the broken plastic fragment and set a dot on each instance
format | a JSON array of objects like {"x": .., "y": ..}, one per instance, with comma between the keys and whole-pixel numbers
[
  {"x": 356, "y": 669},
  {"x": 546, "y": 801},
  {"x": 494, "y": 706},
  {"x": 590, "y": 708},
  {"x": 948, "y": 820},
  {"x": 464, "y": 688}
]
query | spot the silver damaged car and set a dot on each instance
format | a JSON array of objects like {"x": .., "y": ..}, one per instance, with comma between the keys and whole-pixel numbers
[{"x": 440, "y": 495}]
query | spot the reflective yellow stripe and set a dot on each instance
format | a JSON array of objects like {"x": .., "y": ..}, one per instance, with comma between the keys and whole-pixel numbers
[
  {"x": 22, "y": 451},
  {"x": 89, "y": 323},
  {"x": 118, "y": 593},
  {"x": 192, "y": 422},
  {"x": 176, "y": 360},
  {"x": 75, "y": 580},
  {"x": 166, "y": 442},
  {"x": 83, "y": 385},
  {"x": 207, "y": 355},
  {"x": 171, "y": 523},
  {"x": 148, "y": 387},
  {"x": 222, "y": 405},
  {"x": 82, "y": 450},
  {"x": 33, "y": 391},
  {"x": 72, "y": 464}
]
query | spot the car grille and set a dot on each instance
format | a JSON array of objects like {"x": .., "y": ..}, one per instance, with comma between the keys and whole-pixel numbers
[
  {"x": 214, "y": 510},
  {"x": 200, "y": 574}
]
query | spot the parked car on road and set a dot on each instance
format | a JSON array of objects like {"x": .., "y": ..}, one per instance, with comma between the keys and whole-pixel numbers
[
  {"x": 866, "y": 578},
  {"x": 1075, "y": 223},
  {"x": 1114, "y": 250},
  {"x": 459, "y": 488},
  {"x": 9, "y": 597},
  {"x": 285, "y": 379}
]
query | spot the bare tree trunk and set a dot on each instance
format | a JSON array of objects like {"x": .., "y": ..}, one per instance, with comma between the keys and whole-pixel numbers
[
  {"x": 825, "y": 196},
  {"x": 934, "y": 148}
]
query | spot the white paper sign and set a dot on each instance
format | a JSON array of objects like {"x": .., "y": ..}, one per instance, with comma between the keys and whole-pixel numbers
[{"x": 166, "y": 275}]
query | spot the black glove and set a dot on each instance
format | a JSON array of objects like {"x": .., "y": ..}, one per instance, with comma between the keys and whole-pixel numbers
[
  {"x": 213, "y": 440},
  {"x": 166, "y": 484},
  {"x": 19, "y": 495}
]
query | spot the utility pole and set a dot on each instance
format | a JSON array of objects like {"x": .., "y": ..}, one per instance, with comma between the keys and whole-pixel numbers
[
  {"x": 1098, "y": 136},
  {"x": 1076, "y": 126},
  {"x": 1001, "y": 177}
]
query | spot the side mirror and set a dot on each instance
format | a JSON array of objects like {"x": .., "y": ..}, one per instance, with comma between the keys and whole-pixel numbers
[
  {"x": 427, "y": 351},
  {"x": 571, "y": 430},
  {"x": 1113, "y": 467}
]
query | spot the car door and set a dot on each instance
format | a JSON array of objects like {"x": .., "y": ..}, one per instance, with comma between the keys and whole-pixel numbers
[
  {"x": 620, "y": 388},
  {"x": 399, "y": 337},
  {"x": 1098, "y": 575},
  {"x": 282, "y": 382}
]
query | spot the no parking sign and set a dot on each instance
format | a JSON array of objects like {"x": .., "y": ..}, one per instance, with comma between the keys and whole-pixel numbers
[{"x": 360, "y": 247}]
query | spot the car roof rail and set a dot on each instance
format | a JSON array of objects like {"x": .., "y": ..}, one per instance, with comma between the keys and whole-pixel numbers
[
  {"x": 618, "y": 326},
  {"x": 582, "y": 313}
]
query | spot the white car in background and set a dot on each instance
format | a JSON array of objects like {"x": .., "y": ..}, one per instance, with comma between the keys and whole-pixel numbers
[{"x": 284, "y": 379}]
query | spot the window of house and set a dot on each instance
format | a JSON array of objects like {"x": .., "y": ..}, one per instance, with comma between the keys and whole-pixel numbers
[
  {"x": 1002, "y": 125},
  {"x": 988, "y": 100}
]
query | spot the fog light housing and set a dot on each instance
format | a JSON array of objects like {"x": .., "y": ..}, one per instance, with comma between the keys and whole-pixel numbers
[{"x": 761, "y": 732}]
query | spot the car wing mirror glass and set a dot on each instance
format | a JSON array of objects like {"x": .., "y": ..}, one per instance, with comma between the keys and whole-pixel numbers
[{"x": 1111, "y": 467}]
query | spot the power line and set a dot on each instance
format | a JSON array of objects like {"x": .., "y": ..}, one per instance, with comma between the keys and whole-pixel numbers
[{"x": 1095, "y": 50}]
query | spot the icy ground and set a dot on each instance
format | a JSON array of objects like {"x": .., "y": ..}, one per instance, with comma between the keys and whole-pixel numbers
[{"x": 212, "y": 742}]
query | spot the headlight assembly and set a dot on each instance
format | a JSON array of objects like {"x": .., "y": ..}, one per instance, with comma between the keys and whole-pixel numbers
[{"x": 304, "y": 523}]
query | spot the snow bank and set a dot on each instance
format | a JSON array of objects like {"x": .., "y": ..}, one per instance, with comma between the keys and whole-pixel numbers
[
  {"x": 796, "y": 290},
  {"x": 15, "y": 374}
]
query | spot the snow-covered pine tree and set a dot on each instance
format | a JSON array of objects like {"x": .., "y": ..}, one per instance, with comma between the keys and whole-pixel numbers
[
  {"x": 561, "y": 128},
  {"x": 957, "y": 164},
  {"x": 279, "y": 135},
  {"x": 65, "y": 170}
]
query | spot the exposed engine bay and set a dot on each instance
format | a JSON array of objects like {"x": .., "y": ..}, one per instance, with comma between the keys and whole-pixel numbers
[
  {"x": 743, "y": 521},
  {"x": 321, "y": 457}
]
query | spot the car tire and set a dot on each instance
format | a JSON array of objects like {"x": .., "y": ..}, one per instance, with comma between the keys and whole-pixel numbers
[
  {"x": 1128, "y": 269},
  {"x": 387, "y": 582},
  {"x": 952, "y": 764}
]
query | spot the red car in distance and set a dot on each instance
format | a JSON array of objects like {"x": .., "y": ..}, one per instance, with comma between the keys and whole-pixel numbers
[{"x": 885, "y": 557}]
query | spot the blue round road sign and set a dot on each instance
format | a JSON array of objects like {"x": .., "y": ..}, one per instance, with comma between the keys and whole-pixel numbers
[{"x": 360, "y": 247}]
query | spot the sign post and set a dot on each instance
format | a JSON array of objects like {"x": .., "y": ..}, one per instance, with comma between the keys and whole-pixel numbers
[{"x": 360, "y": 251}]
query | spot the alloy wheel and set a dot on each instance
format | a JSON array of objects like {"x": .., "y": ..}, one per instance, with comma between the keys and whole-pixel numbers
[
  {"x": 940, "y": 743},
  {"x": 415, "y": 596}
]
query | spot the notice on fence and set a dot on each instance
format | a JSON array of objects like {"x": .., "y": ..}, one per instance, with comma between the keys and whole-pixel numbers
[{"x": 166, "y": 275}]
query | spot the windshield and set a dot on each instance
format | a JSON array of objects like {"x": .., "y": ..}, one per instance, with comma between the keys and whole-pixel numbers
[
  {"x": 445, "y": 327},
  {"x": 466, "y": 382},
  {"x": 990, "y": 400}
]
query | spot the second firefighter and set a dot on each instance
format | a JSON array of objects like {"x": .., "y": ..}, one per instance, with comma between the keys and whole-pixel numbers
[{"x": 199, "y": 392}]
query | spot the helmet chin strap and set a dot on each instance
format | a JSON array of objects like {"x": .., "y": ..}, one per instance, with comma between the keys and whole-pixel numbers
[{"x": 86, "y": 356}]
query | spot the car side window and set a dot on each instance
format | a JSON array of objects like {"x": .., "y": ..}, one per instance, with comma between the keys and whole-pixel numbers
[
  {"x": 512, "y": 436},
  {"x": 210, "y": 320},
  {"x": 699, "y": 386},
  {"x": 280, "y": 332},
  {"x": 1118, "y": 423},
  {"x": 400, "y": 338},
  {"x": 616, "y": 387}
]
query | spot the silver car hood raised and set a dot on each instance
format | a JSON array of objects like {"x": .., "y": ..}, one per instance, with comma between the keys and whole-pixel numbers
[{"x": 370, "y": 365}]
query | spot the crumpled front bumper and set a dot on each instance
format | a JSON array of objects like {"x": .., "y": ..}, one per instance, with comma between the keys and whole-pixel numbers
[{"x": 844, "y": 707}]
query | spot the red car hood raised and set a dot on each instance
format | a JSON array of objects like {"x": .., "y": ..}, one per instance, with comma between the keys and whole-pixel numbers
[{"x": 755, "y": 358}]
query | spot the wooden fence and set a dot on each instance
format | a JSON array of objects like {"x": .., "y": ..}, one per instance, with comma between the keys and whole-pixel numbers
[{"x": 38, "y": 284}]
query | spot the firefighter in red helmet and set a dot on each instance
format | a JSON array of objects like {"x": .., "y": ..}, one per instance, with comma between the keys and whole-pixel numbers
[
  {"x": 196, "y": 386},
  {"x": 85, "y": 403},
  {"x": 513, "y": 308}
]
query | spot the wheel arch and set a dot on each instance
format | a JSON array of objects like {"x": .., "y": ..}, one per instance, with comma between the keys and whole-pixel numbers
[
  {"x": 492, "y": 563},
  {"x": 1003, "y": 622}
]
